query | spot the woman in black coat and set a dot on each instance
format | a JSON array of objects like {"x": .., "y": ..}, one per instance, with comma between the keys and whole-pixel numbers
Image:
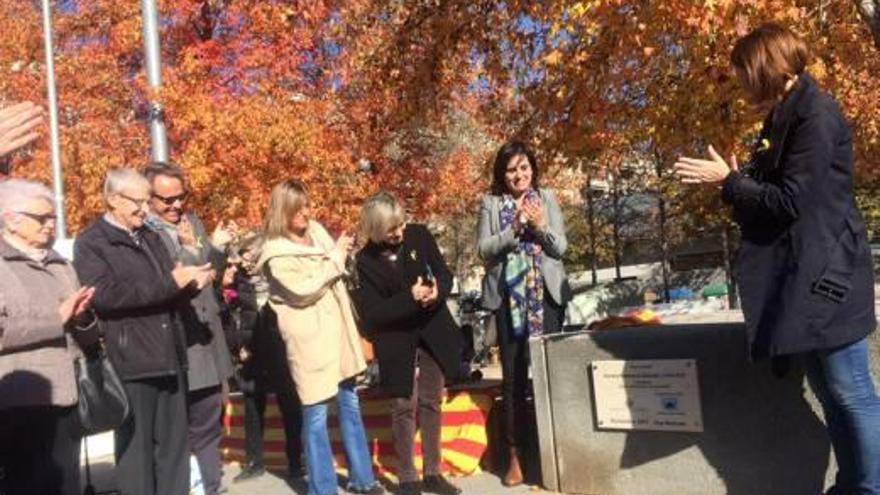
[
  {"x": 403, "y": 285},
  {"x": 804, "y": 266}
]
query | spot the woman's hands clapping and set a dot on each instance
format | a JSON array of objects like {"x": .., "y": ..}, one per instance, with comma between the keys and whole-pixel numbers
[
  {"x": 76, "y": 304},
  {"x": 534, "y": 214},
  {"x": 703, "y": 171},
  {"x": 529, "y": 213},
  {"x": 425, "y": 294}
]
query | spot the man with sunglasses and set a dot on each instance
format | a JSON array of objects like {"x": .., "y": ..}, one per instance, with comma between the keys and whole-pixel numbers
[{"x": 210, "y": 365}]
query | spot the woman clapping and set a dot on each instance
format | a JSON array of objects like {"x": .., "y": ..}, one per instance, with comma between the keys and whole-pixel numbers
[{"x": 305, "y": 268}]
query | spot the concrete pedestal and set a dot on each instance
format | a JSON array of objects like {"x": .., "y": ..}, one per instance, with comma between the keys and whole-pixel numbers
[{"x": 763, "y": 435}]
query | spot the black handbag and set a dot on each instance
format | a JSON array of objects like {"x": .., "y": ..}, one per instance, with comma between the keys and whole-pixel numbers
[{"x": 103, "y": 404}]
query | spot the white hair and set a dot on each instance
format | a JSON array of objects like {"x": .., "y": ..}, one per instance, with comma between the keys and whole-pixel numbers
[
  {"x": 14, "y": 192},
  {"x": 380, "y": 212},
  {"x": 120, "y": 179}
]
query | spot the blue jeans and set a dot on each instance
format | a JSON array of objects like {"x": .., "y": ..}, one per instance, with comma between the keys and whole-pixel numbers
[
  {"x": 841, "y": 380},
  {"x": 316, "y": 440}
]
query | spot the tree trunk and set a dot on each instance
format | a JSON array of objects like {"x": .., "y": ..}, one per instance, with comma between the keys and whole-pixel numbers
[
  {"x": 664, "y": 240},
  {"x": 615, "y": 228},
  {"x": 594, "y": 262},
  {"x": 732, "y": 299},
  {"x": 664, "y": 248}
]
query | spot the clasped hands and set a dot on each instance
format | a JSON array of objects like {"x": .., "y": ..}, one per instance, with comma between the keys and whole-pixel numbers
[
  {"x": 425, "y": 294},
  {"x": 529, "y": 213},
  {"x": 199, "y": 276}
]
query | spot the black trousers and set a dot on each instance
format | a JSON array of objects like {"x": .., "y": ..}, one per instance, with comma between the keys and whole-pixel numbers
[
  {"x": 39, "y": 451},
  {"x": 205, "y": 431},
  {"x": 152, "y": 455},
  {"x": 268, "y": 371},
  {"x": 254, "y": 425},
  {"x": 515, "y": 387}
]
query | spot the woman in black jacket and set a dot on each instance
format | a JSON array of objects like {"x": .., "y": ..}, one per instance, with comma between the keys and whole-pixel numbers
[
  {"x": 804, "y": 266},
  {"x": 403, "y": 285}
]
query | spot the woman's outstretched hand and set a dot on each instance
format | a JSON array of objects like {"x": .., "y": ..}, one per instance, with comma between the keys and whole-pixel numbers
[{"x": 702, "y": 171}]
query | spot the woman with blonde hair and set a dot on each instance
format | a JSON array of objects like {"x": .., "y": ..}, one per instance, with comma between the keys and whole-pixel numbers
[
  {"x": 404, "y": 283},
  {"x": 804, "y": 266},
  {"x": 305, "y": 268}
]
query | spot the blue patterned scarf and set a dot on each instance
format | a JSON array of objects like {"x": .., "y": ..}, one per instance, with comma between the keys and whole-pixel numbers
[{"x": 522, "y": 275}]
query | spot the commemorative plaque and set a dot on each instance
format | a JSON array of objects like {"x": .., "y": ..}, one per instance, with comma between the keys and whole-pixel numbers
[{"x": 661, "y": 395}]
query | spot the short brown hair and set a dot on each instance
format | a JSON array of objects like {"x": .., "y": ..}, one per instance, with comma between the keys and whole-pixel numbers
[
  {"x": 155, "y": 169},
  {"x": 285, "y": 200},
  {"x": 768, "y": 57}
]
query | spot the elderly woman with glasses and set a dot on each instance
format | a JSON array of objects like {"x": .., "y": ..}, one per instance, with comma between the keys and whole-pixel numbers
[{"x": 42, "y": 307}]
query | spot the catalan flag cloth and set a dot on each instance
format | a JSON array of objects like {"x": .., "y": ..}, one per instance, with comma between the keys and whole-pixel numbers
[{"x": 463, "y": 432}]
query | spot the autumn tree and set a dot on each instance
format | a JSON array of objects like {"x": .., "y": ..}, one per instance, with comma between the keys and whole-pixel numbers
[
  {"x": 259, "y": 91},
  {"x": 602, "y": 82},
  {"x": 248, "y": 98}
]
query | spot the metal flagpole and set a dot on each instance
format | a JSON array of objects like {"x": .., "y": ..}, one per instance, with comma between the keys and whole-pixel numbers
[
  {"x": 55, "y": 147},
  {"x": 150, "y": 16}
]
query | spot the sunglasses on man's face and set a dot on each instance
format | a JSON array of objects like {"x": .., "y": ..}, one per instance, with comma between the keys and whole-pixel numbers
[
  {"x": 41, "y": 219},
  {"x": 170, "y": 200}
]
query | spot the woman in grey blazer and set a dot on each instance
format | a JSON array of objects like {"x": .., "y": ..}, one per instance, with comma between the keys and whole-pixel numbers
[{"x": 521, "y": 240}]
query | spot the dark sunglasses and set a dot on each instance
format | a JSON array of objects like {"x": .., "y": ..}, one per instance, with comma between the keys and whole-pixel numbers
[
  {"x": 170, "y": 200},
  {"x": 41, "y": 219}
]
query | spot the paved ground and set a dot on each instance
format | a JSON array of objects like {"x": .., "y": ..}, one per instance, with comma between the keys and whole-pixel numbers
[{"x": 270, "y": 484}]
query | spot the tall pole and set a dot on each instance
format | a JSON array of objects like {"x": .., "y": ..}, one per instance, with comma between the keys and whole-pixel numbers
[
  {"x": 153, "y": 61},
  {"x": 54, "y": 144}
]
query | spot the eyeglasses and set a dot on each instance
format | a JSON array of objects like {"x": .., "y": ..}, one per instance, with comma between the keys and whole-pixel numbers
[
  {"x": 41, "y": 219},
  {"x": 170, "y": 200},
  {"x": 139, "y": 202}
]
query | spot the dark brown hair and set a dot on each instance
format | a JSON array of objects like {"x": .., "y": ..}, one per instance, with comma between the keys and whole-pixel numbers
[
  {"x": 768, "y": 57},
  {"x": 506, "y": 153}
]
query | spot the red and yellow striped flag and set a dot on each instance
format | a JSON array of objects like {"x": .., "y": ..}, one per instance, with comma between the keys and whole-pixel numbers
[{"x": 463, "y": 436}]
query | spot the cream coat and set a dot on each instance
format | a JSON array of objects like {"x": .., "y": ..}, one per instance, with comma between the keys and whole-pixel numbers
[{"x": 314, "y": 313}]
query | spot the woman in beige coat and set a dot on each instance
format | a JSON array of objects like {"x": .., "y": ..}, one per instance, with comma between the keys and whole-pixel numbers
[{"x": 305, "y": 268}]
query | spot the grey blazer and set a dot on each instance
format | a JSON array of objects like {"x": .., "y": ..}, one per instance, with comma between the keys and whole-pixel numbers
[
  {"x": 207, "y": 354},
  {"x": 493, "y": 245}
]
